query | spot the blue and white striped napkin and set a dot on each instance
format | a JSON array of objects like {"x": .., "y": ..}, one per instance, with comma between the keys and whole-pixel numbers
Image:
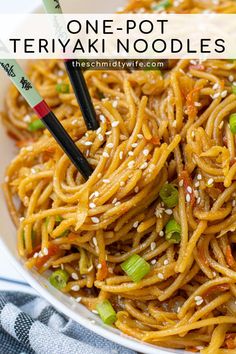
[{"x": 29, "y": 324}]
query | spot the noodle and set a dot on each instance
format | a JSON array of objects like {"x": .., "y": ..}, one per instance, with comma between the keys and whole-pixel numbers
[{"x": 155, "y": 128}]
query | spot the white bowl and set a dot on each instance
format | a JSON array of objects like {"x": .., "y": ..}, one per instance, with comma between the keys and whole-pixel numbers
[{"x": 8, "y": 240}]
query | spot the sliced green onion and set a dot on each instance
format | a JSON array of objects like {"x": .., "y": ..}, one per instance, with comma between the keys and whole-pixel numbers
[
  {"x": 36, "y": 125},
  {"x": 59, "y": 279},
  {"x": 63, "y": 88},
  {"x": 169, "y": 195},
  {"x": 106, "y": 312},
  {"x": 234, "y": 89},
  {"x": 173, "y": 231},
  {"x": 232, "y": 123},
  {"x": 59, "y": 218},
  {"x": 162, "y": 5},
  {"x": 100, "y": 94},
  {"x": 135, "y": 267}
]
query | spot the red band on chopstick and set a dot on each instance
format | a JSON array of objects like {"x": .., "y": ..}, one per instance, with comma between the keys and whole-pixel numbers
[{"x": 41, "y": 109}]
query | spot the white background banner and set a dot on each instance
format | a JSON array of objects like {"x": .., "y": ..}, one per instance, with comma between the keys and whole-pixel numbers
[{"x": 116, "y": 36}]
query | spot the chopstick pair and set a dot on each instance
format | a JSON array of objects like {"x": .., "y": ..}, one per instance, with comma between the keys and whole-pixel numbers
[
  {"x": 28, "y": 91},
  {"x": 31, "y": 95},
  {"x": 76, "y": 78}
]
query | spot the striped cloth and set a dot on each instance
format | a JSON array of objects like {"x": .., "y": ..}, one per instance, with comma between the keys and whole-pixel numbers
[{"x": 28, "y": 325}]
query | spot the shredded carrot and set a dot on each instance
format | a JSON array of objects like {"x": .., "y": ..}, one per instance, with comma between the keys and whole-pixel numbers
[
  {"x": 23, "y": 143},
  {"x": 202, "y": 255},
  {"x": 229, "y": 257},
  {"x": 216, "y": 288},
  {"x": 52, "y": 250},
  {"x": 230, "y": 340},
  {"x": 197, "y": 67},
  {"x": 155, "y": 140},
  {"x": 103, "y": 271},
  {"x": 187, "y": 183},
  {"x": 191, "y": 97}
]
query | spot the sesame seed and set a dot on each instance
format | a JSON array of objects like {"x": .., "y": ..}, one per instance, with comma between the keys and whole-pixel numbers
[
  {"x": 75, "y": 287},
  {"x": 224, "y": 93},
  {"x": 145, "y": 152},
  {"x": 22, "y": 219},
  {"x": 95, "y": 242},
  {"x": 169, "y": 211},
  {"x": 60, "y": 73},
  {"x": 231, "y": 78},
  {"x": 121, "y": 155},
  {"x": 100, "y": 137},
  {"x": 193, "y": 134},
  {"x": 117, "y": 203},
  {"x": 92, "y": 205},
  {"x": 153, "y": 246},
  {"x": 62, "y": 265},
  {"x": 99, "y": 266},
  {"x": 95, "y": 311},
  {"x": 102, "y": 118},
  {"x": 135, "y": 224},
  {"x": 105, "y": 154},
  {"x": 197, "y": 184},
  {"x": 108, "y": 132},
  {"x": 45, "y": 251},
  {"x": 160, "y": 276},
  {"x": 115, "y": 124},
  {"x": 166, "y": 262},
  {"x": 130, "y": 153},
  {"x": 90, "y": 268},
  {"x": 74, "y": 276},
  {"x": 198, "y": 200},
  {"x": 114, "y": 200},
  {"x": 216, "y": 95},
  {"x": 96, "y": 194},
  {"x": 115, "y": 104},
  {"x": 178, "y": 309},
  {"x": 140, "y": 136},
  {"x": 188, "y": 198},
  {"x": 220, "y": 126},
  {"x": 136, "y": 189},
  {"x": 181, "y": 183},
  {"x": 197, "y": 104},
  {"x": 27, "y": 118},
  {"x": 131, "y": 164},
  {"x": 161, "y": 233},
  {"x": 199, "y": 177},
  {"x": 134, "y": 145},
  {"x": 189, "y": 189},
  {"x": 110, "y": 145},
  {"x": 215, "y": 86},
  {"x": 95, "y": 220},
  {"x": 198, "y": 298},
  {"x": 143, "y": 166},
  {"x": 106, "y": 180},
  {"x": 210, "y": 181},
  {"x": 36, "y": 255},
  {"x": 98, "y": 130},
  {"x": 78, "y": 299},
  {"x": 88, "y": 143},
  {"x": 174, "y": 123},
  {"x": 234, "y": 203},
  {"x": 122, "y": 183},
  {"x": 153, "y": 261}
]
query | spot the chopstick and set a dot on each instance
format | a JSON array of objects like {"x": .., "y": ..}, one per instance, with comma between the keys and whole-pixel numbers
[
  {"x": 31, "y": 95},
  {"x": 76, "y": 78}
]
